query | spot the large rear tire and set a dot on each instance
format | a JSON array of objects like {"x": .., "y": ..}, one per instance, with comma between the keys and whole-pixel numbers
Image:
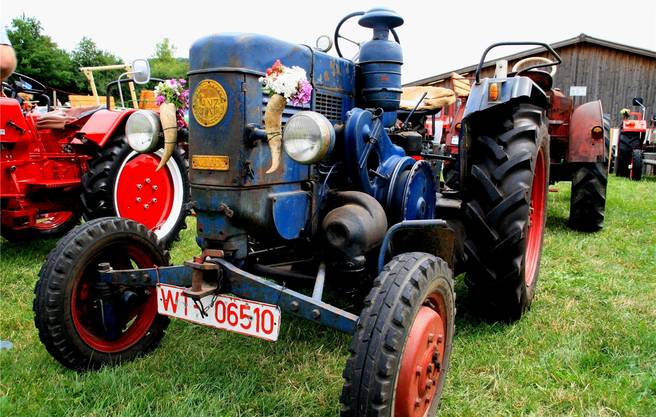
[
  {"x": 504, "y": 204},
  {"x": 71, "y": 306},
  {"x": 123, "y": 183},
  {"x": 402, "y": 345}
]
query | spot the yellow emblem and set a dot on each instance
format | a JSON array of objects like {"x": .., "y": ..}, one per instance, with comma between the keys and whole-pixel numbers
[
  {"x": 209, "y": 103},
  {"x": 210, "y": 162}
]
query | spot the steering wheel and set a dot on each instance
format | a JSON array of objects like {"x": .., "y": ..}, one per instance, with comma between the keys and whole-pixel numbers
[
  {"x": 339, "y": 36},
  {"x": 531, "y": 61},
  {"x": 19, "y": 83}
]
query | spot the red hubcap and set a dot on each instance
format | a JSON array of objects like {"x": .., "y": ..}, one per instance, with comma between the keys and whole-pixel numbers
[
  {"x": 535, "y": 220},
  {"x": 420, "y": 372},
  {"x": 142, "y": 194},
  {"x": 86, "y": 308},
  {"x": 49, "y": 221}
]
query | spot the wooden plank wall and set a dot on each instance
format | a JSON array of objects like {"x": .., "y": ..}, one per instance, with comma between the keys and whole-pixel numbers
[{"x": 611, "y": 75}]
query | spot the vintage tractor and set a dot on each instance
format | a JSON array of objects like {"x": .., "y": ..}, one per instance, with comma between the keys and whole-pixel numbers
[
  {"x": 346, "y": 228},
  {"x": 59, "y": 166},
  {"x": 579, "y": 148},
  {"x": 636, "y": 144}
]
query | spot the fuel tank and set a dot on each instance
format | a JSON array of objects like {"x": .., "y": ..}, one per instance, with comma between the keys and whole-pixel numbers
[{"x": 232, "y": 193}]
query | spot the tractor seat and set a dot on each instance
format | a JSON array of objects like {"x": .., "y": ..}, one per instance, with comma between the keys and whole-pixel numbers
[
  {"x": 63, "y": 118},
  {"x": 436, "y": 98}
]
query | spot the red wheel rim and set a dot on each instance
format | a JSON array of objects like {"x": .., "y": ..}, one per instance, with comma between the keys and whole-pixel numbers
[
  {"x": 535, "y": 220},
  {"x": 84, "y": 301},
  {"x": 49, "y": 221},
  {"x": 422, "y": 361},
  {"x": 142, "y": 194}
]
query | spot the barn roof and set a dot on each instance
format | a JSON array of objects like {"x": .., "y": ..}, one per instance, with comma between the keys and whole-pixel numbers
[{"x": 582, "y": 38}]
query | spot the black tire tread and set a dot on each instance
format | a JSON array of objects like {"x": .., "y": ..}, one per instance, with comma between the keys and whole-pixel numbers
[
  {"x": 588, "y": 198},
  {"x": 48, "y": 306},
  {"x": 379, "y": 340}
]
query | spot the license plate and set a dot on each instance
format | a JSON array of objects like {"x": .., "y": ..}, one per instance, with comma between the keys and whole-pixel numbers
[{"x": 237, "y": 315}]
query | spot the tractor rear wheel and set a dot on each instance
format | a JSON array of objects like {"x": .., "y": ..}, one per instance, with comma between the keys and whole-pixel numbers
[
  {"x": 85, "y": 323},
  {"x": 627, "y": 143},
  {"x": 505, "y": 203},
  {"x": 123, "y": 183},
  {"x": 402, "y": 345},
  {"x": 635, "y": 173}
]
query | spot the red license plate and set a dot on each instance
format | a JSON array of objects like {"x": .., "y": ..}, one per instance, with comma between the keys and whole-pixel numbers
[{"x": 237, "y": 315}]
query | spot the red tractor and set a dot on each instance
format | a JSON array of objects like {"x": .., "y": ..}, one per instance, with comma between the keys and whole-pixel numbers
[
  {"x": 634, "y": 143},
  {"x": 579, "y": 148},
  {"x": 61, "y": 165}
]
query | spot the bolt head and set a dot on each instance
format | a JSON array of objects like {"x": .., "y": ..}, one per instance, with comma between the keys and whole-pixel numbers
[
  {"x": 138, "y": 199},
  {"x": 431, "y": 336},
  {"x": 147, "y": 180},
  {"x": 139, "y": 186},
  {"x": 440, "y": 338},
  {"x": 154, "y": 200},
  {"x": 155, "y": 188},
  {"x": 146, "y": 206}
]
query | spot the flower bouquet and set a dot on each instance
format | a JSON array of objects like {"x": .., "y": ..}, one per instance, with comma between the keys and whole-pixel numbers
[
  {"x": 283, "y": 84},
  {"x": 172, "y": 99}
]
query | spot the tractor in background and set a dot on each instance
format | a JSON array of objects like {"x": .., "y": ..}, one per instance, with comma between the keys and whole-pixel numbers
[
  {"x": 347, "y": 228},
  {"x": 579, "y": 148},
  {"x": 636, "y": 148},
  {"x": 58, "y": 166}
]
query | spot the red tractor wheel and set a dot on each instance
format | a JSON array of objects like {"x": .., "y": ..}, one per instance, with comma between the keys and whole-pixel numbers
[
  {"x": 401, "y": 349},
  {"x": 85, "y": 323},
  {"x": 505, "y": 211},
  {"x": 124, "y": 183},
  {"x": 48, "y": 224}
]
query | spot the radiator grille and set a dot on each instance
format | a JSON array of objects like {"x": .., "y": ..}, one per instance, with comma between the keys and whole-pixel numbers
[{"x": 329, "y": 105}]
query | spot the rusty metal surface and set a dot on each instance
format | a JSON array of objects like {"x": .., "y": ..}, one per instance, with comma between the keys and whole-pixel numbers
[{"x": 582, "y": 146}]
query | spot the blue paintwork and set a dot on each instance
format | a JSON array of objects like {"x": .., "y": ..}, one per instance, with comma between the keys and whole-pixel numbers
[
  {"x": 236, "y": 61},
  {"x": 380, "y": 64},
  {"x": 172, "y": 275}
]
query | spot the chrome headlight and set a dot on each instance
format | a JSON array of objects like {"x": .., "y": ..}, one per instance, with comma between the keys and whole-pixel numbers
[
  {"x": 308, "y": 137},
  {"x": 142, "y": 130}
]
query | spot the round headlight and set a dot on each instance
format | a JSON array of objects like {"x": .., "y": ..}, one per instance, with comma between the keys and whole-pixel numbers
[
  {"x": 308, "y": 137},
  {"x": 142, "y": 130}
]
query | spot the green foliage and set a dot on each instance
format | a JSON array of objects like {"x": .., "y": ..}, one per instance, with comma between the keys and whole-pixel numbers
[
  {"x": 87, "y": 54},
  {"x": 38, "y": 55},
  {"x": 164, "y": 65}
]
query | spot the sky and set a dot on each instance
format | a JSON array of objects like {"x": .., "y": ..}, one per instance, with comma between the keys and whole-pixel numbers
[{"x": 437, "y": 36}]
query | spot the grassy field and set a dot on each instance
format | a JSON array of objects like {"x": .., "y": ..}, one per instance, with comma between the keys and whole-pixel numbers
[{"x": 587, "y": 348}]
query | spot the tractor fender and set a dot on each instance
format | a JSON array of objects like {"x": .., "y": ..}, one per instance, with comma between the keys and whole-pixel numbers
[
  {"x": 104, "y": 124},
  {"x": 517, "y": 88},
  {"x": 582, "y": 146}
]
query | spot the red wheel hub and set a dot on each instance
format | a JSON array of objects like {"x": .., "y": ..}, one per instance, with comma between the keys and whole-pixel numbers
[
  {"x": 50, "y": 221},
  {"x": 420, "y": 372},
  {"x": 535, "y": 220},
  {"x": 86, "y": 308},
  {"x": 142, "y": 194}
]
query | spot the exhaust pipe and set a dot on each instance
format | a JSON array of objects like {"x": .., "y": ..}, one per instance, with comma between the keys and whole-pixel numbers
[
  {"x": 167, "y": 117},
  {"x": 273, "y": 126}
]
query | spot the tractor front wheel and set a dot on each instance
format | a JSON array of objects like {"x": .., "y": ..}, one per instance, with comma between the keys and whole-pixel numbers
[
  {"x": 628, "y": 141},
  {"x": 505, "y": 208},
  {"x": 402, "y": 345},
  {"x": 123, "y": 183},
  {"x": 85, "y": 323},
  {"x": 588, "y": 200}
]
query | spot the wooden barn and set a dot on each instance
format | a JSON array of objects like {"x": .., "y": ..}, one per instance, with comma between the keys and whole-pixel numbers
[{"x": 592, "y": 69}]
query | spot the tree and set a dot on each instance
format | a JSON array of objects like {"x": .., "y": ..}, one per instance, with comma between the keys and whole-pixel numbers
[
  {"x": 87, "y": 54},
  {"x": 38, "y": 55},
  {"x": 163, "y": 64}
]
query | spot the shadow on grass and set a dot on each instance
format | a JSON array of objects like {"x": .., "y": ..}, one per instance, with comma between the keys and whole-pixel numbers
[{"x": 557, "y": 223}]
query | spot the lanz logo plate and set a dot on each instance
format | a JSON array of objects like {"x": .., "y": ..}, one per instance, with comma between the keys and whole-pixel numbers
[{"x": 209, "y": 103}]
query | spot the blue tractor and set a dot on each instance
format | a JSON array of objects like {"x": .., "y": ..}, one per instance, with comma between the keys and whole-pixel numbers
[{"x": 349, "y": 227}]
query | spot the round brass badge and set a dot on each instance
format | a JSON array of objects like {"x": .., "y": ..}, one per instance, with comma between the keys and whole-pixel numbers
[{"x": 209, "y": 103}]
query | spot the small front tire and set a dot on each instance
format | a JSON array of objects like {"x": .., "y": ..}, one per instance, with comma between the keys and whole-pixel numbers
[{"x": 402, "y": 345}]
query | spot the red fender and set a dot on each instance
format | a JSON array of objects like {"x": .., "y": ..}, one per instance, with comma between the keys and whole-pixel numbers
[
  {"x": 103, "y": 124},
  {"x": 582, "y": 146}
]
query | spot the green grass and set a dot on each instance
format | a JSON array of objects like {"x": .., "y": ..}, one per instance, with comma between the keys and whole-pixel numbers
[{"x": 587, "y": 348}]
